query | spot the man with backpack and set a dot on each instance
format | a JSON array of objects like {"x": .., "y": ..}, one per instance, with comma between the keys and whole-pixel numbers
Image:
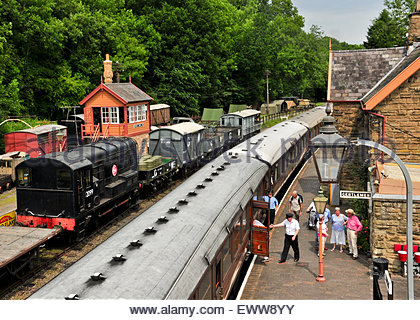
[{"x": 296, "y": 204}]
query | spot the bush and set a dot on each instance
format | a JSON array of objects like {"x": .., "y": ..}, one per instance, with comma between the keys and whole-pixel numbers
[{"x": 363, "y": 243}]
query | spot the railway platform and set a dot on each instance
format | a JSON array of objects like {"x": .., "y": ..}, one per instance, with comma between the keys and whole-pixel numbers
[
  {"x": 346, "y": 279},
  {"x": 19, "y": 245}
]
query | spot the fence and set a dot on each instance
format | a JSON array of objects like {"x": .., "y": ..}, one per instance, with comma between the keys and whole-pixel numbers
[{"x": 287, "y": 114}]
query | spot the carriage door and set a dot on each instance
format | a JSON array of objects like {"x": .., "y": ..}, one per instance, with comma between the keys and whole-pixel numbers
[
  {"x": 217, "y": 277},
  {"x": 260, "y": 240}
]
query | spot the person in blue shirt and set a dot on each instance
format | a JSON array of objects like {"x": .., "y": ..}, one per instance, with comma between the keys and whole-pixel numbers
[
  {"x": 274, "y": 203},
  {"x": 327, "y": 215}
]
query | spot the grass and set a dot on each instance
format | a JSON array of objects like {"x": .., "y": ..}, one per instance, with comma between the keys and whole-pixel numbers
[
  {"x": 271, "y": 123},
  {"x": 7, "y": 198}
]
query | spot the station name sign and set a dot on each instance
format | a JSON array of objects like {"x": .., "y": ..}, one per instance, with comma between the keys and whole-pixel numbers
[{"x": 355, "y": 194}]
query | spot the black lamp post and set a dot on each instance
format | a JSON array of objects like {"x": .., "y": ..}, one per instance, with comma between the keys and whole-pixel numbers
[{"x": 331, "y": 148}]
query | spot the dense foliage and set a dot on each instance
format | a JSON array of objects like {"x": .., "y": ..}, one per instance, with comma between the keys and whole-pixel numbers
[
  {"x": 391, "y": 27},
  {"x": 190, "y": 54}
]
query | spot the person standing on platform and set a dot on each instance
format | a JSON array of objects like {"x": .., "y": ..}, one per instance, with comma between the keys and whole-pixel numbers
[
  {"x": 274, "y": 203},
  {"x": 338, "y": 221},
  {"x": 296, "y": 204},
  {"x": 290, "y": 238},
  {"x": 353, "y": 226}
]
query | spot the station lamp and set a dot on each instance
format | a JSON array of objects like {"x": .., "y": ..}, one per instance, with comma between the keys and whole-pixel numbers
[
  {"x": 320, "y": 202},
  {"x": 329, "y": 150}
]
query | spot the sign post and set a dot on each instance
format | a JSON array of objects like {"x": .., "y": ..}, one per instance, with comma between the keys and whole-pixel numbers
[
  {"x": 389, "y": 285},
  {"x": 344, "y": 194}
]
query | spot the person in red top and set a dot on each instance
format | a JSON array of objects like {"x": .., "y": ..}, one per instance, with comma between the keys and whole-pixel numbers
[{"x": 353, "y": 226}]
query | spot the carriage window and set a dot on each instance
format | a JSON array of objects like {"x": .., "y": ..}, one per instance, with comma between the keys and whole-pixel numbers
[
  {"x": 63, "y": 179},
  {"x": 245, "y": 222},
  {"x": 24, "y": 177},
  {"x": 227, "y": 259},
  {"x": 204, "y": 291},
  {"x": 236, "y": 236}
]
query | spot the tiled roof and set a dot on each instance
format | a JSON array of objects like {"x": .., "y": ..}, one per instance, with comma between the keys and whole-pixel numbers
[
  {"x": 398, "y": 69},
  {"x": 128, "y": 92},
  {"x": 356, "y": 72}
]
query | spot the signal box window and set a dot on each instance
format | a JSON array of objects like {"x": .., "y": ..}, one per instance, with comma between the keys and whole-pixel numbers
[
  {"x": 24, "y": 177},
  {"x": 63, "y": 179},
  {"x": 137, "y": 113},
  {"x": 110, "y": 115}
]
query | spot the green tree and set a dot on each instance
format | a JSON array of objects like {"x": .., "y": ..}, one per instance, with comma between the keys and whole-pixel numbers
[
  {"x": 391, "y": 27},
  {"x": 191, "y": 65},
  {"x": 383, "y": 33}
]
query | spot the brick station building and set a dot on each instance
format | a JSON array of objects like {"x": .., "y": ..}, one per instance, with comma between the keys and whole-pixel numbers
[
  {"x": 117, "y": 109},
  {"x": 375, "y": 95}
]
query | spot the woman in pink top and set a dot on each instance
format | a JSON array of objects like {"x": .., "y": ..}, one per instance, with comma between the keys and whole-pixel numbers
[{"x": 353, "y": 226}]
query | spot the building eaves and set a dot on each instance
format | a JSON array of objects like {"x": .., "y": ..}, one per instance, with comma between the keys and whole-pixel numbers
[
  {"x": 356, "y": 72},
  {"x": 393, "y": 79}
]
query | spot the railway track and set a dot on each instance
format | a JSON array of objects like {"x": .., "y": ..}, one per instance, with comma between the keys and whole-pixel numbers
[{"x": 53, "y": 259}]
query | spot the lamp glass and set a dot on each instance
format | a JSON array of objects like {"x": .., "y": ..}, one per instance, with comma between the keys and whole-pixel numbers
[
  {"x": 320, "y": 203},
  {"x": 329, "y": 161}
]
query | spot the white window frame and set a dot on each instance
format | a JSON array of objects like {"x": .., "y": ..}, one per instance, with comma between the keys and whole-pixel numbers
[
  {"x": 105, "y": 115},
  {"x": 112, "y": 113},
  {"x": 143, "y": 112},
  {"x": 137, "y": 113},
  {"x": 131, "y": 114}
]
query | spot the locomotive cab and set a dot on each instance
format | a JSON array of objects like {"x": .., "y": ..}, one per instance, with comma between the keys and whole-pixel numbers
[
  {"x": 73, "y": 189},
  {"x": 50, "y": 190}
]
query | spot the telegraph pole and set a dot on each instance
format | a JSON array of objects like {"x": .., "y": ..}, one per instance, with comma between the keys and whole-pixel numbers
[
  {"x": 118, "y": 68},
  {"x": 267, "y": 73}
]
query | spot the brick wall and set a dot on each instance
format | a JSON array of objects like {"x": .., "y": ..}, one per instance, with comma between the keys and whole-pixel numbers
[
  {"x": 388, "y": 227},
  {"x": 351, "y": 125},
  {"x": 142, "y": 143},
  {"x": 414, "y": 27},
  {"x": 402, "y": 111}
]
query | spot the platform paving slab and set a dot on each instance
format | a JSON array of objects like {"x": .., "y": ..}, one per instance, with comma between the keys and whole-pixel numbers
[{"x": 346, "y": 279}]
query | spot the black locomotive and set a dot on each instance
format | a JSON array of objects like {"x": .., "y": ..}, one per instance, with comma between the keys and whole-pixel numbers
[{"x": 74, "y": 188}]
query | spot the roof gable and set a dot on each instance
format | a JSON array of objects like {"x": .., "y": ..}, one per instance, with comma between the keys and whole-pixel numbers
[
  {"x": 124, "y": 92},
  {"x": 355, "y": 72},
  {"x": 391, "y": 81}
]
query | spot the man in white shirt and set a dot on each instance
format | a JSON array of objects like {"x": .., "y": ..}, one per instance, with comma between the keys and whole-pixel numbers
[{"x": 290, "y": 238}]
